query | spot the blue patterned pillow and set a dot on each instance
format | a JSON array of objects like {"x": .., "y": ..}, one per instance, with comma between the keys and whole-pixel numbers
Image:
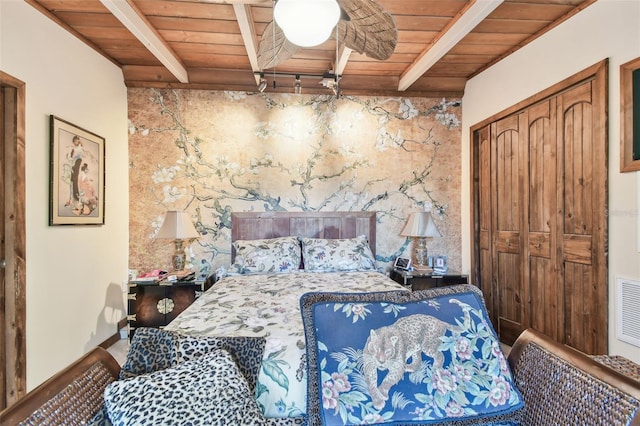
[
  {"x": 332, "y": 255},
  {"x": 400, "y": 357}
]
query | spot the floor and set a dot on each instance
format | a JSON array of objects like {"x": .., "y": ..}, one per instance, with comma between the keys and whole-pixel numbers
[{"x": 119, "y": 350}]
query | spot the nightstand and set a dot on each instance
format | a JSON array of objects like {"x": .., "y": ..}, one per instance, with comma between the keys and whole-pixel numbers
[
  {"x": 422, "y": 280},
  {"x": 157, "y": 304}
]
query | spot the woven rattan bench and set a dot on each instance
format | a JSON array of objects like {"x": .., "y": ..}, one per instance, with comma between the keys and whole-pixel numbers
[
  {"x": 74, "y": 396},
  {"x": 563, "y": 386},
  {"x": 621, "y": 364}
]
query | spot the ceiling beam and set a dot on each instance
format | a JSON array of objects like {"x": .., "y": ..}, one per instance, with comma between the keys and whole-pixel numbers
[
  {"x": 343, "y": 58},
  {"x": 248, "y": 32},
  {"x": 134, "y": 20},
  {"x": 461, "y": 25}
]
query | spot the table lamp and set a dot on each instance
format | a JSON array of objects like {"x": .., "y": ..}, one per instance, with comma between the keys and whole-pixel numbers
[
  {"x": 177, "y": 226},
  {"x": 420, "y": 225}
]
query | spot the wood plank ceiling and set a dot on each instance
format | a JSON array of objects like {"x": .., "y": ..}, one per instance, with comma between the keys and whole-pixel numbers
[{"x": 211, "y": 44}]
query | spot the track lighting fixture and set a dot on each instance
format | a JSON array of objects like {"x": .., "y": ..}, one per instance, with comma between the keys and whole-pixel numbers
[
  {"x": 263, "y": 83},
  {"x": 328, "y": 80},
  {"x": 297, "y": 86}
]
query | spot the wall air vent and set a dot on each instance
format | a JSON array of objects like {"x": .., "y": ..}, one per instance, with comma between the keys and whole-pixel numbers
[{"x": 628, "y": 310}]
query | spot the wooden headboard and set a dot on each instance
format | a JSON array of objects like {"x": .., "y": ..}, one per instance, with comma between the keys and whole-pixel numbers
[{"x": 258, "y": 225}]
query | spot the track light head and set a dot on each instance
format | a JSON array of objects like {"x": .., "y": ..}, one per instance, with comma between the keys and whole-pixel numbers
[
  {"x": 297, "y": 85},
  {"x": 263, "y": 84}
]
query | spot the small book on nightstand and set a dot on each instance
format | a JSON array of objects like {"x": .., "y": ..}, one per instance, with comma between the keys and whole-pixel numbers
[{"x": 183, "y": 275}]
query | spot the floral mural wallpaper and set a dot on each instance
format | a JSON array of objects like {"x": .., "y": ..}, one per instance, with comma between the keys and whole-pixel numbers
[{"x": 211, "y": 152}]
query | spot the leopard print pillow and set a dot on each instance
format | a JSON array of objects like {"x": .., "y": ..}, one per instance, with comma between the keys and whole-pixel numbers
[
  {"x": 247, "y": 351},
  {"x": 153, "y": 349},
  {"x": 150, "y": 350},
  {"x": 208, "y": 390}
]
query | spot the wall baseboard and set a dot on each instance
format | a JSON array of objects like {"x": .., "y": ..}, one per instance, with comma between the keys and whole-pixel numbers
[{"x": 114, "y": 337}]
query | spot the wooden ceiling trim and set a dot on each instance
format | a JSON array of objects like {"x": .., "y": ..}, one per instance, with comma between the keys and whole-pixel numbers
[
  {"x": 453, "y": 33},
  {"x": 132, "y": 18}
]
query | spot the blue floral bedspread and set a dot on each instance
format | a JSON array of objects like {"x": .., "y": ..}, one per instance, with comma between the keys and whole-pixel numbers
[{"x": 268, "y": 305}]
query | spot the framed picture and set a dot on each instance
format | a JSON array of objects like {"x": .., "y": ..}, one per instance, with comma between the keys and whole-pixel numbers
[
  {"x": 76, "y": 175},
  {"x": 630, "y": 116},
  {"x": 438, "y": 263},
  {"x": 402, "y": 263}
]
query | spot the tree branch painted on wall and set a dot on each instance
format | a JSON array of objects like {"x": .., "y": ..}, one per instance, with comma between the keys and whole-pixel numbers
[{"x": 212, "y": 153}]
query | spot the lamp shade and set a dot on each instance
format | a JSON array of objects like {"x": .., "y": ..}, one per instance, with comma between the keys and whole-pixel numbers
[
  {"x": 306, "y": 23},
  {"x": 420, "y": 224},
  {"x": 177, "y": 226}
]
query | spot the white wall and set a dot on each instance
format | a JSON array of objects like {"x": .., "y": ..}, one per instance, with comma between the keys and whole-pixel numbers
[
  {"x": 606, "y": 29},
  {"x": 74, "y": 273}
]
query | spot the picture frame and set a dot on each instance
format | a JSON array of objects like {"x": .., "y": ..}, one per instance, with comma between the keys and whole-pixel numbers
[
  {"x": 438, "y": 263},
  {"x": 77, "y": 175},
  {"x": 630, "y": 116},
  {"x": 402, "y": 263}
]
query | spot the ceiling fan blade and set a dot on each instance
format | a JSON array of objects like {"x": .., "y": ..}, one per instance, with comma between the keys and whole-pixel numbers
[
  {"x": 369, "y": 30},
  {"x": 274, "y": 48}
]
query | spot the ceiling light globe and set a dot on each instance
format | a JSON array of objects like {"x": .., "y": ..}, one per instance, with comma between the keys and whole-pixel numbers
[{"x": 307, "y": 23}]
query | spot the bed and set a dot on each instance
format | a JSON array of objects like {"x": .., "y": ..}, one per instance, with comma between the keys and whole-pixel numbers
[
  {"x": 263, "y": 298},
  {"x": 303, "y": 328}
]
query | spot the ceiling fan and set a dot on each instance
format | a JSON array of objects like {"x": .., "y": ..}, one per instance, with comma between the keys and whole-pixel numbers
[{"x": 364, "y": 26}]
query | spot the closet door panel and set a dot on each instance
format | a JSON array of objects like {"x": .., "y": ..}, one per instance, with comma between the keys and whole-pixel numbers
[
  {"x": 545, "y": 313},
  {"x": 508, "y": 213},
  {"x": 581, "y": 212},
  {"x": 483, "y": 222},
  {"x": 580, "y": 320},
  {"x": 510, "y": 304},
  {"x": 578, "y": 141}
]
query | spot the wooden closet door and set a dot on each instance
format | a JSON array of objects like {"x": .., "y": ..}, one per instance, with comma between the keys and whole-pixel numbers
[
  {"x": 582, "y": 228},
  {"x": 545, "y": 289},
  {"x": 483, "y": 220},
  {"x": 508, "y": 213}
]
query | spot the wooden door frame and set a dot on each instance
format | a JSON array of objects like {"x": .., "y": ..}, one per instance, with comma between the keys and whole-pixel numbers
[{"x": 13, "y": 277}]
